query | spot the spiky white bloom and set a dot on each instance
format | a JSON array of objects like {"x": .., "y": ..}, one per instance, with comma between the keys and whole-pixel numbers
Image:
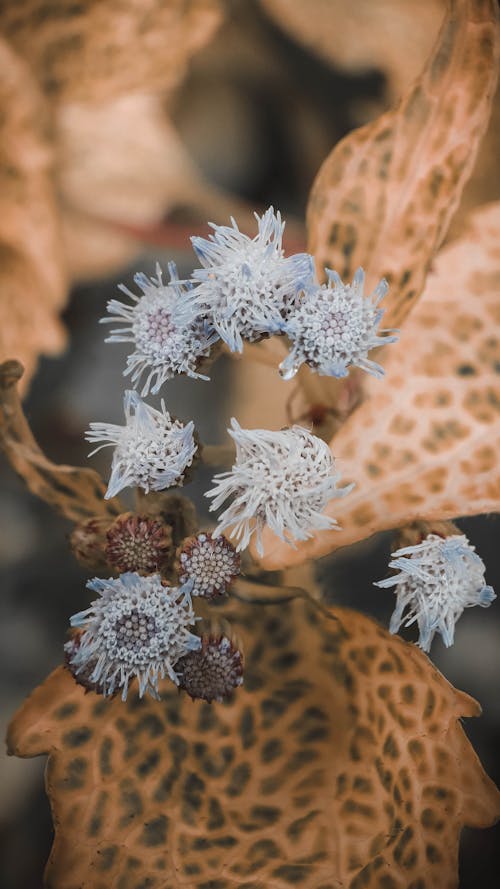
[
  {"x": 137, "y": 627},
  {"x": 437, "y": 579},
  {"x": 281, "y": 479},
  {"x": 334, "y": 326},
  {"x": 168, "y": 340},
  {"x": 246, "y": 285},
  {"x": 152, "y": 450}
]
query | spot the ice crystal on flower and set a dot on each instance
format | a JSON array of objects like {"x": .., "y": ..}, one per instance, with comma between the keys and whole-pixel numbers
[
  {"x": 247, "y": 285},
  {"x": 137, "y": 628},
  {"x": 335, "y": 326},
  {"x": 152, "y": 450},
  {"x": 282, "y": 479},
  {"x": 167, "y": 339},
  {"x": 212, "y": 563},
  {"x": 437, "y": 579}
]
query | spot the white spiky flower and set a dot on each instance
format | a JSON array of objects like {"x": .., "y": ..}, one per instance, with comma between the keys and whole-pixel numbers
[
  {"x": 247, "y": 285},
  {"x": 152, "y": 450},
  {"x": 437, "y": 579},
  {"x": 168, "y": 340},
  {"x": 138, "y": 627},
  {"x": 282, "y": 479},
  {"x": 335, "y": 326}
]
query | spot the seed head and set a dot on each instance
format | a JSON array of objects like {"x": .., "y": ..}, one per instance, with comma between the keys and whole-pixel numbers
[
  {"x": 212, "y": 563},
  {"x": 137, "y": 628},
  {"x": 168, "y": 338},
  {"x": 213, "y": 671},
  {"x": 437, "y": 579},
  {"x": 334, "y": 326},
  {"x": 282, "y": 479},
  {"x": 138, "y": 543},
  {"x": 246, "y": 285},
  {"x": 152, "y": 450}
]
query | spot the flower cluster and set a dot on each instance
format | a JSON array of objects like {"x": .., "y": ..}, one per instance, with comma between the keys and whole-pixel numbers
[
  {"x": 152, "y": 451},
  {"x": 137, "y": 628},
  {"x": 282, "y": 479},
  {"x": 211, "y": 563},
  {"x": 437, "y": 579}
]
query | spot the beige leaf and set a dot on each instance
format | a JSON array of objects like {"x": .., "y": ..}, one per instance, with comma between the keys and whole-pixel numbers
[
  {"x": 341, "y": 762},
  {"x": 32, "y": 277},
  {"x": 385, "y": 196},
  {"x": 425, "y": 443},
  {"x": 76, "y": 493}
]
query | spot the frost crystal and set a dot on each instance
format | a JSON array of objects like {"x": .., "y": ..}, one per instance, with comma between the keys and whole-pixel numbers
[
  {"x": 152, "y": 450},
  {"x": 167, "y": 340},
  {"x": 212, "y": 563},
  {"x": 282, "y": 479},
  {"x": 438, "y": 578},
  {"x": 334, "y": 326},
  {"x": 137, "y": 627},
  {"x": 246, "y": 286}
]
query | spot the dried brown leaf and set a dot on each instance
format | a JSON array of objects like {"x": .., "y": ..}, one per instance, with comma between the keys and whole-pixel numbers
[
  {"x": 32, "y": 277},
  {"x": 385, "y": 196},
  {"x": 76, "y": 493},
  {"x": 340, "y": 762},
  {"x": 425, "y": 443}
]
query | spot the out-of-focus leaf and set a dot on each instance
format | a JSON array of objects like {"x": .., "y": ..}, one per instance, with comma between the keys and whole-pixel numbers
[
  {"x": 425, "y": 443},
  {"x": 77, "y": 493},
  {"x": 391, "y": 36},
  {"x": 96, "y": 51},
  {"x": 32, "y": 279},
  {"x": 385, "y": 196},
  {"x": 340, "y": 762}
]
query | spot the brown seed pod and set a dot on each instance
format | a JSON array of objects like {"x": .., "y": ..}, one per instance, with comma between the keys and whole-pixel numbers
[
  {"x": 82, "y": 677},
  {"x": 138, "y": 543},
  {"x": 88, "y": 541},
  {"x": 212, "y": 672},
  {"x": 212, "y": 563}
]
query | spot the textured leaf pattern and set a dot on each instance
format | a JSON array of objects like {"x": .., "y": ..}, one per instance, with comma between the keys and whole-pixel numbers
[
  {"x": 385, "y": 196},
  {"x": 425, "y": 443},
  {"x": 340, "y": 762}
]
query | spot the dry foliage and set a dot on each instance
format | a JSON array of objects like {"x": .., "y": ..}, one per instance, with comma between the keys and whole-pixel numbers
[
  {"x": 385, "y": 196},
  {"x": 340, "y": 762},
  {"x": 76, "y": 493},
  {"x": 425, "y": 442}
]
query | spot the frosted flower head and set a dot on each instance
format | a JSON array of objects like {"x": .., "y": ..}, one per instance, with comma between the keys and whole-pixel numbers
[
  {"x": 246, "y": 285},
  {"x": 437, "y": 579},
  {"x": 168, "y": 340},
  {"x": 335, "y": 326},
  {"x": 152, "y": 450},
  {"x": 138, "y": 543},
  {"x": 213, "y": 671},
  {"x": 137, "y": 628},
  {"x": 212, "y": 563},
  {"x": 281, "y": 479}
]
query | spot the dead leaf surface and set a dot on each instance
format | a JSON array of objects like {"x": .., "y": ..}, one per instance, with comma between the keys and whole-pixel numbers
[
  {"x": 76, "y": 493},
  {"x": 425, "y": 443},
  {"x": 385, "y": 196},
  {"x": 340, "y": 763}
]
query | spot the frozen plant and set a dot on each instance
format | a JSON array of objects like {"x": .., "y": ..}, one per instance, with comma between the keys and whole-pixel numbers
[
  {"x": 437, "y": 579},
  {"x": 152, "y": 451},
  {"x": 283, "y": 479},
  {"x": 136, "y": 628},
  {"x": 247, "y": 286},
  {"x": 334, "y": 326},
  {"x": 167, "y": 339}
]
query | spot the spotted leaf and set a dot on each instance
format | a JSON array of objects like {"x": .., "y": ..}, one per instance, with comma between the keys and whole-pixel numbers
[
  {"x": 424, "y": 444},
  {"x": 385, "y": 196},
  {"x": 337, "y": 724}
]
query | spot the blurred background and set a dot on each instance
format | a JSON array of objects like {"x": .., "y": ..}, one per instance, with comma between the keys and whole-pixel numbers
[{"x": 252, "y": 108}]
